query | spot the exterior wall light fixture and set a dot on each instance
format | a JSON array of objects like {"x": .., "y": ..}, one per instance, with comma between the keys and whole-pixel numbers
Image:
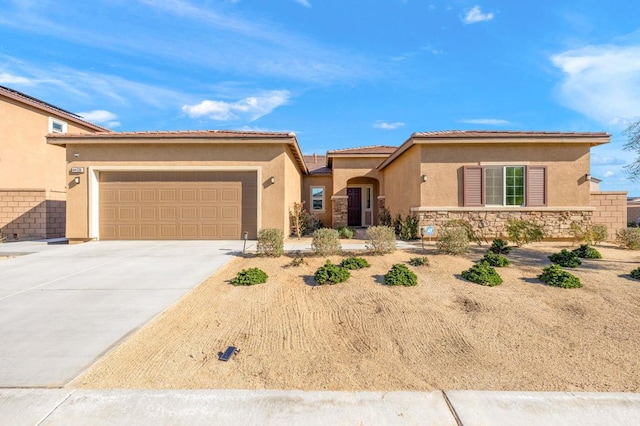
[
  {"x": 272, "y": 180},
  {"x": 424, "y": 178},
  {"x": 76, "y": 180},
  {"x": 587, "y": 177}
]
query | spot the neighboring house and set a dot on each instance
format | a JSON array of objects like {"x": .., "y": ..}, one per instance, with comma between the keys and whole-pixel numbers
[
  {"x": 220, "y": 184},
  {"x": 33, "y": 179}
]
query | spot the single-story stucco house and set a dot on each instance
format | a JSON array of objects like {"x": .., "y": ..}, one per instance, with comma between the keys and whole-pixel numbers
[
  {"x": 32, "y": 172},
  {"x": 220, "y": 184}
]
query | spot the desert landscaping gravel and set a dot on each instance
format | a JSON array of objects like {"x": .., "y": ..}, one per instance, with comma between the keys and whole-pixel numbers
[{"x": 445, "y": 333}]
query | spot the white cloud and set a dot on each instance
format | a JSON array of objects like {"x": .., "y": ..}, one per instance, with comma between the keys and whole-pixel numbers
[
  {"x": 101, "y": 116},
  {"x": 387, "y": 126},
  {"x": 250, "y": 108},
  {"x": 486, "y": 121},
  {"x": 609, "y": 173},
  {"x": 6, "y": 78},
  {"x": 305, "y": 3},
  {"x": 602, "y": 82},
  {"x": 475, "y": 15}
]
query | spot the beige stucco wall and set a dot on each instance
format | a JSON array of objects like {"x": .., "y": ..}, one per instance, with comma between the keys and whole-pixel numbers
[
  {"x": 347, "y": 168},
  {"x": 292, "y": 187},
  {"x": 272, "y": 159},
  {"x": 402, "y": 182},
  {"x": 318, "y": 180},
  {"x": 566, "y": 164},
  {"x": 26, "y": 160}
]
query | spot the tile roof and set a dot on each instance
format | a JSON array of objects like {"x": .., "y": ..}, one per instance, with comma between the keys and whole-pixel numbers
[
  {"x": 44, "y": 106},
  {"x": 317, "y": 164},
  {"x": 177, "y": 133},
  {"x": 501, "y": 133},
  {"x": 365, "y": 150}
]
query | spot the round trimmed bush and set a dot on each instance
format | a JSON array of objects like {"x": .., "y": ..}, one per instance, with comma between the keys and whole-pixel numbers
[
  {"x": 482, "y": 273},
  {"x": 565, "y": 258},
  {"x": 500, "y": 246},
  {"x": 636, "y": 273},
  {"x": 495, "y": 259},
  {"x": 354, "y": 263},
  {"x": 555, "y": 276},
  {"x": 345, "y": 232},
  {"x": 586, "y": 252},
  {"x": 250, "y": 276},
  {"x": 399, "y": 274},
  {"x": 331, "y": 274}
]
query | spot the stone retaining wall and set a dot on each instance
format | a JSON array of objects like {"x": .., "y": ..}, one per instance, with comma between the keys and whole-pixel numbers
[{"x": 492, "y": 223}]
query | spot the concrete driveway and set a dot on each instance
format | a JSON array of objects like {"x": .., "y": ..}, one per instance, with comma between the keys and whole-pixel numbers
[{"x": 62, "y": 307}]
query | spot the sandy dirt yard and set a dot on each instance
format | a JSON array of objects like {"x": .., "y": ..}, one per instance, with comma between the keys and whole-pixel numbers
[{"x": 445, "y": 333}]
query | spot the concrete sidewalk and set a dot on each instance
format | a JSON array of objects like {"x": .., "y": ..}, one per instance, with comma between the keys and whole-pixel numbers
[{"x": 245, "y": 407}]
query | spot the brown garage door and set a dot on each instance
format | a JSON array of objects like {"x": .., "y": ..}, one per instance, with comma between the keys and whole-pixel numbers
[{"x": 169, "y": 206}]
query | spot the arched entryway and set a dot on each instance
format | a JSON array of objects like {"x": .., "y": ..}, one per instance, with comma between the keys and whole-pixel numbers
[{"x": 362, "y": 208}]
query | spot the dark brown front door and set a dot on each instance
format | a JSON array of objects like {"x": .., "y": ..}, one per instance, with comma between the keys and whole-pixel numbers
[{"x": 354, "y": 216}]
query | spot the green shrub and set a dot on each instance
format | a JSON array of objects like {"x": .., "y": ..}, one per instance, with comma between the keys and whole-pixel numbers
[
  {"x": 270, "y": 242},
  {"x": 475, "y": 236},
  {"x": 591, "y": 234},
  {"x": 345, "y": 232},
  {"x": 326, "y": 242},
  {"x": 312, "y": 223},
  {"x": 555, "y": 276},
  {"x": 482, "y": 273},
  {"x": 409, "y": 228},
  {"x": 500, "y": 246},
  {"x": 384, "y": 217},
  {"x": 629, "y": 238},
  {"x": 330, "y": 273},
  {"x": 381, "y": 239},
  {"x": 636, "y": 273},
  {"x": 586, "y": 252},
  {"x": 453, "y": 240},
  {"x": 523, "y": 232},
  {"x": 419, "y": 261},
  {"x": 599, "y": 233},
  {"x": 566, "y": 258},
  {"x": 399, "y": 274},
  {"x": 250, "y": 276},
  {"x": 397, "y": 224},
  {"x": 354, "y": 263},
  {"x": 495, "y": 259}
]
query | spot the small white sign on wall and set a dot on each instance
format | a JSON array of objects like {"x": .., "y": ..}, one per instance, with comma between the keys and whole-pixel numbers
[{"x": 77, "y": 170}]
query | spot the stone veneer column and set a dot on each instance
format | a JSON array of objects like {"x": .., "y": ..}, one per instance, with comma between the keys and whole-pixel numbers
[{"x": 339, "y": 210}]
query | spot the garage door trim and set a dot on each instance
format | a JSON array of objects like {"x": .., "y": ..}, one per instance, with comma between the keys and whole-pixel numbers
[{"x": 94, "y": 186}]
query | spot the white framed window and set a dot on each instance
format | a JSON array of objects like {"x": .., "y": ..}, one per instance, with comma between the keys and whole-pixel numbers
[
  {"x": 317, "y": 198},
  {"x": 505, "y": 186},
  {"x": 57, "y": 126}
]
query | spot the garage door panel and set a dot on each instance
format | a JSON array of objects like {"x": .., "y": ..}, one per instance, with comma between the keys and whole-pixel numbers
[
  {"x": 189, "y": 213},
  {"x": 127, "y": 196},
  {"x": 229, "y": 213},
  {"x": 229, "y": 231},
  {"x": 167, "y": 213},
  {"x": 133, "y": 208},
  {"x": 126, "y": 213}
]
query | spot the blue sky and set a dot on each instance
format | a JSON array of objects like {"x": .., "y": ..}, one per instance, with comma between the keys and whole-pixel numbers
[{"x": 338, "y": 73}]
